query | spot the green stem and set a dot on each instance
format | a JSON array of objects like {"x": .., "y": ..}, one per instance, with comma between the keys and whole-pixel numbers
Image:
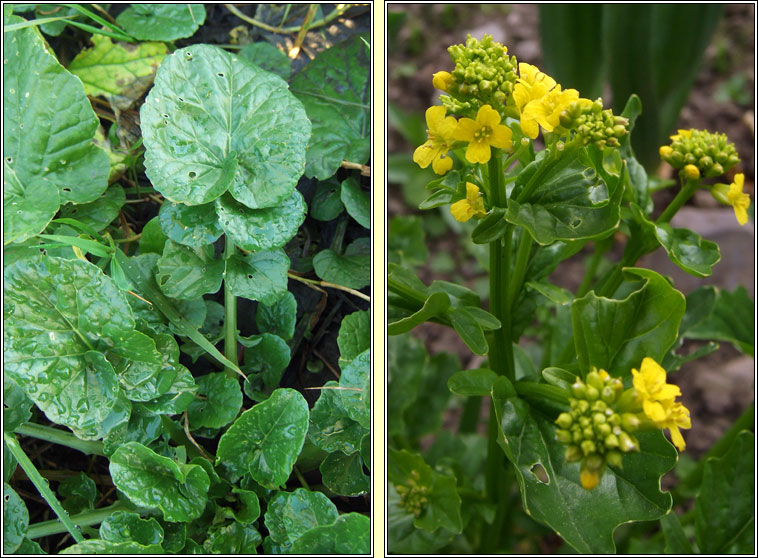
[
  {"x": 519, "y": 268},
  {"x": 301, "y": 478},
  {"x": 687, "y": 191},
  {"x": 84, "y": 519},
  {"x": 42, "y": 485},
  {"x": 59, "y": 437},
  {"x": 230, "y": 313}
]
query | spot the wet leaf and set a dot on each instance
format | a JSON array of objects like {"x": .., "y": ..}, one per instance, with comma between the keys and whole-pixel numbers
[
  {"x": 357, "y": 202},
  {"x": 259, "y": 276},
  {"x": 188, "y": 273},
  {"x": 124, "y": 526},
  {"x": 266, "y": 439},
  {"x": 278, "y": 318},
  {"x": 15, "y": 520},
  {"x": 99, "y": 546},
  {"x": 355, "y": 382},
  {"x": 343, "y": 474},
  {"x": 149, "y": 480},
  {"x": 221, "y": 399},
  {"x": 190, "y": 225},
  {"x": 331, "y": 429},
  {"x": 100, "y": 213},
  {"x": 78, "y": 493},
  {"x": 268, "y": 356},
  {"x": 207, "y": 106},
  {"x": 354, "y": 336},
  {"x": 349, "y": 534},
  {"x": 161, "y": 22},
  {"x": 291, "y": 514},
  {"x": 233, "y": 539}
]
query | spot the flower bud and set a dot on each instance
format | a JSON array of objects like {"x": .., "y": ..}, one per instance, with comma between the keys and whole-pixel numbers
[
  {"x": 608, "y": 394},
  {"x": 588, "y": 447},
  {"x": 563, "y": 436},
  {"x": 564, "y": 420},
  {"x": 442, "y": 80},
  {"x": 630, "y": 422},
  {"x": 715, "y": 170},
  {"x": 594, "y": 462},
  {"x": 589, "y": 479},
  {"x": 665, "y": 151},
  {"x": 612, "y": 441},
  {"x": 627, "y": 443},
  {"x": 629, "y": 401},
  {"x": 598, "y": 418},
  {"x": 603, "y": 429},
  {"x": 691, "y": 172},
  {"x": 614, "y": 459},
  {"x": 593, "y": 379},
  {"x": 573, "y": 453},
  {"x": 579, "y": 389},
  {"x": 592, "y": 393}
]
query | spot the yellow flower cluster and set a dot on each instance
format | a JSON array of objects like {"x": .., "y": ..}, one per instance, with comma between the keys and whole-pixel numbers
[
  {"x": 540, "y": 100},
  {"x": 659, "y": 400}
]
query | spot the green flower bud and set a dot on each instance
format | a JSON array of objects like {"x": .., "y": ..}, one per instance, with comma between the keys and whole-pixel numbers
[
  {"x": 603, "y": 429},
  {"x": 612, "y": 441},
  {"x": 564, "y": 420},
  {"x": 588, "y": 433},
  {"x": 629, "y": 401},
  {"x": 588, "y": 447},
  {"x": 578, "y": 389},
  {"x": 599, "y": 406},
  {"x": 627, "y": 443},
  {"x": 577, "y": 436},
  {"x": 573, "y": 453},
  {"x": 593, "y": 379},
  {"x": 614, "y": 420},
  {"x": 619, "y": 130},
  {"x": 584, "y": 421},
  {"x": 598, "y": 418},
  {"x": 592, "y": 393},
  {"x": 608, "y": 394},
  {"x": 614, "y": 459},
  {"x": 594, "y": 462},
  {"x": 630, "y": 422},
  {"x": 715, "y": 170},
  {"x": 563, "y": 436}
]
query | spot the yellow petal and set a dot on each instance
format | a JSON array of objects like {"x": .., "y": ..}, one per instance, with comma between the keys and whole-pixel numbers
[
  {"x": 465, "y": 129},
  {"x": 425, "y": 154},
  {"x": 461, "y": 211},
  {"x": 530, "y": 127},
  {"x": 442, "y": 163},
  {"x": 501, "y": 137},
  {"x": 434, "y": 116},
  {"x": 654, "y": 410},
  {"x": 487, "y": 116},
  {"x": 478, "y": 152},
  {"x": 676, "y": 438}
]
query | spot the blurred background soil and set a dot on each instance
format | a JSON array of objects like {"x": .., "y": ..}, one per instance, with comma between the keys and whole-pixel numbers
[{"x": 716, "y": 388}]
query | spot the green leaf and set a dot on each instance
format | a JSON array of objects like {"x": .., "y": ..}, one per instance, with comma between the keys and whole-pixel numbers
[
  {"x": 490, "y": 228},
  {"x": 408, "y": 238},
  {"x": 268, "y": 356},
  {"x": 616, "y": 335},
  {"x": 233, "y": 539},
  {"x": 153, "y": 239},
  {"x": 268, "y": 57},
  {"x": 559, "y": 377},
  {"x": 29, "y": 547},
  {"x": 124, "y": 526},
  {"x": 343, "y": 474},
  {"x": 575, "y": 199},
  {"x": 145, "y": 381},
  {"x": 440, "y": 504},
  {"x": 676, "y": 541},
  {"x": 278, "y": 318},
  {"x": 725, "y": 505},
  {"x": 190, "y": 225},
  {"x": 49, "y": 124},
  {"x": 472, "y": 382},
  {"x": 551, "y": 292},
  {"x": 206, "y": 106},
  {"x": 55, "y": 307},
  {"x": 335, "y": 90},
  {"x": 291, "y": 514},
  {"x": 99, "y": 213},
  {"x": 357, "y": 202},
  {"x": 355, "y": 384},
  {"x": 188, "y": 273},
  {"x": 99, "y": 546},
  {"x": 78, "y": 492},
  {"x": 120, "y": 74},
  {"x": 266, "y": 439},
  {"x": 248, "y": 507},
  {"x": 327, "y": 202},
  {"x": 221, "y": 403},
  {"x": 259, "y": 276},
  {"x": 470, "y": 331},
  {"x": 730, "y": 320},
  {"x": 585, "y": 519},
  {"x": 330, "y": 427},
  {"x": 180, "y": 492},
  {"x": 16, "y": 405},
  {"x": 261, "y": 229},
  {"x": 15, "y": 520},
  {"x": 435, "y": 306},
  {"x": 161, "y": 22},
  {"x": 354, "y": 336},
  {"x": 353, "y": 269},
  {"x": 349, "y": 534}
]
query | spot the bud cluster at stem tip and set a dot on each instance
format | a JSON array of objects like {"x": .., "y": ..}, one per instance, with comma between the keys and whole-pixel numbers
[
  {"x": 700, "y": 153},
  {"x": 594, "y": 124},
  {"x": 413, "y": 494}
]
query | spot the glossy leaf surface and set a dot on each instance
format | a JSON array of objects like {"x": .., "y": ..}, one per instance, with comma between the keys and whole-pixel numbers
[
  {"x": 356, "y": 201},
  {"x": 233, "y": 539},
  {"x": 266, "y": 439},
  {"x": 161, "y": 22},
  {"x": 206, "y": 106},
  {"x": 351, "y": 269},
  {"x": 335, "y": 90},
  {"x": 220, "y": 402},
  {"x": 190, "y": 225},
  {"x": 124, "y": 526},
  {"x": 343, "y": 474},
  {"x": 291, "y": 514},
  {"x": 259, "y": 276},
  {"x": 355, "y": 382},
  {"x": 188, "y": 273},
  {"x": 354, "y": 336},
  {"x": 349, "y": 534},
  {"x": 278, "y": 318},
  {"x": 180, "y": 492},
  {"x": 15, "y": 519},
  {"x": 331, "y": 429}
]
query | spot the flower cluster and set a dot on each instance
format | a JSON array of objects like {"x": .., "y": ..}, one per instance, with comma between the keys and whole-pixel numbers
[
  {"x": 700, "y": 153},
  {"x": 604, "y": 416},
  {"x": 413, "y": 494},
  {"x": 593, "y": 124}
]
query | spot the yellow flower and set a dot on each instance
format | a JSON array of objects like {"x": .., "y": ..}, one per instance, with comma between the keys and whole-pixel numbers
[
  {"x": 665, "y": 151},
  {"x": 442, "y": 80},
  {"x": 472, "y": 205},
  {"x": 658, "y": 400},
  {"x": 546, "y": 110},
  {"x": 681, "y": 133},
  {"x": 737, "y": 199},
  {"x": 691, "y": 172},
  {"x": 532, "y": 85},
  {"x": 589, "y": 479},
  {"x": 440, "y": 129},
  {"x": 482, "y": 133}
]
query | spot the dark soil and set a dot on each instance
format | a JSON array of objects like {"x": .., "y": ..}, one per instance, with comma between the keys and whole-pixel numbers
[{"x": 717, "y": 388}]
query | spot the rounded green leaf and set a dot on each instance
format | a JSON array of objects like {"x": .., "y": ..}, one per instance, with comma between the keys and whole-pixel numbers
[
  {"x": 327, "y": 203},
  {"x": 15, "y": 520},
  {"x": 100, "y": 546},
  {"x": 278, "y": 318},
  {"x": 149, "y": 480},
  {"x": 221, "y": 401},
  {"x": 261, "y": 229},
  {"x": 331, "y": 429},
  {"x": 188, "y": 273},
  {"x": 153, "y": 238},
  {"x": 291, "y": 514},
  {"x": 354, "y": 336},
  {"x": 190, "y": 225},
  {"x": 100, "y": 213},
  {"x": 78, "y": 493},
  {"x": 206, "y": 106},
  {"x": 268, "y": 57},
  {"x": 161, "y": 22},
  {"x": 472, "y": 382},
  {"x": 124, "y": 526},
  {"x": 355, "y": 382},
  {"x": 343, "y": 474},
  {"x": 48, "y": 126},
  {"x": 259, "y": 276},
  {"x": 266, "y": 439},
  {"x": 357, "y": 202},
  {"x": 336, "y": 90},
  {"x": 56, "y": 331},
  {"x": 268, "y": 357},
  {"x": 349, "y": 534},
  {"x": 351, "y": 269},
  {"x": 233, "y": 539}
]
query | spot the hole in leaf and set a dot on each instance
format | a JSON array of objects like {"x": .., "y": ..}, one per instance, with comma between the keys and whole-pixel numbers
[
  {"x": 7, "y": 497},
  {"x": 165, "y": 122},
  {"x": 220, "y": 74},
  {"x": 21, "y": 126},
  {"x": 165, "y": 115},
  {"x": 192, "y": 174},
  {"x": 249, "y": 276},
  {"x": 73, "y": 211},
  {"x": 575, "y": 223},
  {"x": 181, "y": 100},
  {"x": 164, "y": 280},
  {"x": 540, "y": 474},
  {"x": 66, "y": 189},
  {"x": 9, "y": 159}
]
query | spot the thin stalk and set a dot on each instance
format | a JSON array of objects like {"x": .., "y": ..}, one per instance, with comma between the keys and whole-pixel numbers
[
  {"x": 353, "y": 292},
  {"x": 687, "y": 191},
  {"x": 42, "y": 485},
  {"x": 301, "y": 478},
  {"x": 519, "y": 267},
  {"x": 295, "y": 50},
  {"x": 230, "y": 312},
  {"x": 59, "y": 437},
  {"x": 84, "y": 519}
]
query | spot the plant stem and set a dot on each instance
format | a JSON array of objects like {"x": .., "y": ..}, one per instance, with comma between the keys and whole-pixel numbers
[
  {"x": 230, "y": 312},
  {"x": 59, "y": 437},
  {"x": 42, "y": 485},
  {"x": 84, "y": 519},
  {"x": 519, "y": 268},
  {"x": 687, "y": 191}
]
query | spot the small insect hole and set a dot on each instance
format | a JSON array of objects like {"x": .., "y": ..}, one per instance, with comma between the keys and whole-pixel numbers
[
  {"x": 165, "y": 122},
  {"x": 220, "y": 74},
  {"x": 7, "y": 497},
  {"x": 192, "y": 174},
  {"x": 249, "y": 276},
  {"x": 165, "y": 116},
  {"x": 9, "y": 159},
  {"x": 181, "y": 100},
  {"x": 66, "y": 189},
  {"x": 21, "y": 126}
]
